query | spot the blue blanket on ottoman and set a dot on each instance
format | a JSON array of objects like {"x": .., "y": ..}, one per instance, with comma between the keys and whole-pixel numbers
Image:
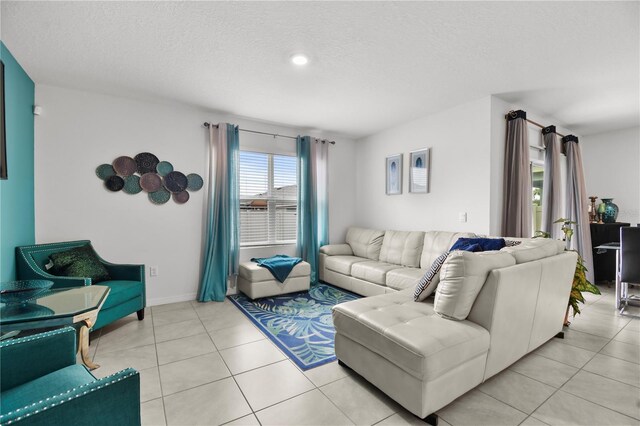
[{"x": 279, "y": 265}]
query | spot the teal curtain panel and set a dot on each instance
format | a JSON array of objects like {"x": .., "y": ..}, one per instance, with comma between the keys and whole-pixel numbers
[{"x": 223, "y": 211}]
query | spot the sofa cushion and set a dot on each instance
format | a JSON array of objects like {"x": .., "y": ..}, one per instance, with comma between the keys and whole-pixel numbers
[
  {"x": 121, "y": 291},
  {"x": 409, "y": 335},
  {"x": 252, "y": 272},
  {"x": 535, "y": 249},
  {"x": 342, "y": 264},
  {"x": 402, "y": 248},
  {"x": 399, "y": 279},
  {"x": 461, "y": 278},
  {"x": 365, "y": 242},
  {"x": 436, "y": 243},
  {"x": 372, "y": 271},
  {"x": 44, "y": 387}
]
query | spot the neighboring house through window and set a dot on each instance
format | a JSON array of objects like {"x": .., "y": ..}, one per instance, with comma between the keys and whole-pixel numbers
[{"x": 268, "y": 199}]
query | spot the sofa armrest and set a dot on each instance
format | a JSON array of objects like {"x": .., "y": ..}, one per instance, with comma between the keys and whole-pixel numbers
[
  {"x": 337, "y": 250},
  {"x": 125, "y": 272},
  {"x": 27, "y": 358},
  {"x": 112, "y": 400},
  {"x": 27, "y": 269}
]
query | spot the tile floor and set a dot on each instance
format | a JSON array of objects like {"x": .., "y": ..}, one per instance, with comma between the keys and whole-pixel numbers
[{"x": 207, "y": 364}]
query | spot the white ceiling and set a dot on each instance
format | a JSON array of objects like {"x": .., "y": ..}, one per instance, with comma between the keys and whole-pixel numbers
[{"x": 373, "y": 64}]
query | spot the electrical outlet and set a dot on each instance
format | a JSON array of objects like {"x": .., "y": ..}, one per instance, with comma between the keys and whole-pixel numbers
[
  {"x": 153, "y": 271},
  {"x": 462, "y": 217}
]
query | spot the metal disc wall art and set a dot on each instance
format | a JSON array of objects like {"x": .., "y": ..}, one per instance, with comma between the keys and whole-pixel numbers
[
  {"x": 132, "y": 184},
  {"x": 161, "y": 196},
  {"x": 145, "y": 172},
  {"x": 146, "y": 162},
  {"x": 124, "y": 166},
  {"x": 164, "y": 167},
  {"x": 150, "y": 182},
  {"x": 180, "y": 197},
  {"x": 103, "y": 171},
  {"x": 114, "y": 183},
  {"x": 195, "y": 182},
  {"x": 175, "y": 182}
]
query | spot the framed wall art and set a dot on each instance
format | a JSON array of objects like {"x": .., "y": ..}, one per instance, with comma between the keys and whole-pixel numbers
[
  {"x": 419, "y": 170},
  {"x": 394, "y": 174}
]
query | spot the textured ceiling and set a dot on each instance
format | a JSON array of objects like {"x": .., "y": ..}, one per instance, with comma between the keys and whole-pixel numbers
[{"x": 373, "y": 64}]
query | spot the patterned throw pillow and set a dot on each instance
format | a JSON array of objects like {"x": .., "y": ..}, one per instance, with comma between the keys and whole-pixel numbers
[
  {"x": 512, "y": 243},
  {"x": 428, "y": 283},
  {"x": 79, "y": 262}
]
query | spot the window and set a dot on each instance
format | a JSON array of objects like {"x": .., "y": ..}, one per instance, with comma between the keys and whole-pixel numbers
[
  {"x": 537, "y": 179},
  {"x": 268, "y": 199}
]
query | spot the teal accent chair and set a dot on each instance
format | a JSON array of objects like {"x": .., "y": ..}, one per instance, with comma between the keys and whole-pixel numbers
[
  {"x": 128, "y": 292},
  {"x": 41, "y": 384}
]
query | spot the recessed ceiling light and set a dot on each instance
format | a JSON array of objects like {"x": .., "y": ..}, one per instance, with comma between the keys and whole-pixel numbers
[{"x": 300, "y": 59}]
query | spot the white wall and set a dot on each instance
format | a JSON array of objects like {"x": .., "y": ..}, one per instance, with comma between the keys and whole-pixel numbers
[
  {"x": 459, "y": 139},
  {"x": 612, "y": 169},
  {"x": 80, "y": 130}
]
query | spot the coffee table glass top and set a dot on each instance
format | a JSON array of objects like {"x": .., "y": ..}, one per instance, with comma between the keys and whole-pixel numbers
[{"x": 53, "y": 304}]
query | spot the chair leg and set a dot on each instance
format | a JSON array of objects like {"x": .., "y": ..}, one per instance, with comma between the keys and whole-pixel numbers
[
  {"x": 140, "y": 314},
  {"x": 432, "y": 419}
]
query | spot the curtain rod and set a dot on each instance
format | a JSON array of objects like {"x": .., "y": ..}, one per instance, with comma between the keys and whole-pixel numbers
[
  {"x": 275, "y": 135},
  {"x": 512, "y": 114}
]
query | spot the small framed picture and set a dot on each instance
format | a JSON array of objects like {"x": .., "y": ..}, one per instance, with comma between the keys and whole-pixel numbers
[
  {"x": 394, "y": 174},
  {"x": 419, "y": 169}
]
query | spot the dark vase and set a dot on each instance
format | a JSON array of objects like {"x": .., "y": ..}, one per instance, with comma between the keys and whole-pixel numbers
[{"x": 610, "y": 211}]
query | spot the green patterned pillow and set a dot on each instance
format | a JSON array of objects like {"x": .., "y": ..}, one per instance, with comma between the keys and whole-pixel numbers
[{"x": 79, "y": 262}]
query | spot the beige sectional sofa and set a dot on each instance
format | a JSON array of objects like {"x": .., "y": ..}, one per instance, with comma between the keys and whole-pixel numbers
[
  {"x": 373, "y": 262},
  {"x": 414, "y": 351}
]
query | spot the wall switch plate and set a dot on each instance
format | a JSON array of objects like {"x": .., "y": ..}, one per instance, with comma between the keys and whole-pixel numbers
[
  {"x": 153, "y": 271},
  {"x": 462, "y": 217}
]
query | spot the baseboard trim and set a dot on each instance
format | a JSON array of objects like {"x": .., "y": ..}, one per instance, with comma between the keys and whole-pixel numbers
[{"x": 172, "y": 299}]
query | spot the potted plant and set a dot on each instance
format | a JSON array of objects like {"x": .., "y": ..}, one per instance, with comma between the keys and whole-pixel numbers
[{"x": 580, "y": 281}]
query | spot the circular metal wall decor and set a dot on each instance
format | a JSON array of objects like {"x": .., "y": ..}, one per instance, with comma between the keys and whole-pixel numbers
[
  {"x": 145, "y": 172},
  {"x": 175, "y": 182},
  {"x": 132, "y": 184},
  {"x": 103, "y": 171},
  {"x": 146, "y": 162},
  {"x": 195, "y": 182},
  {"x": 181, "y": 197},
  {"x": 164, "y": 168},
  {"x": 114, "y": 183},
  {"x": 150, "y": 182},
  {"x": 161, "y": 196},
  {"x": 124, "y": 166}
]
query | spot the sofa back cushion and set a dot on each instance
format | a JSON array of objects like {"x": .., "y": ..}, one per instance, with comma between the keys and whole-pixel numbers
[
  {"x": 365, "y": 242},
  {"x": 461, "y": 278},
  {"x": 531, "y": 249},
  {"x": 402, "y": 248},
  {"x": 438, "y": 242}
]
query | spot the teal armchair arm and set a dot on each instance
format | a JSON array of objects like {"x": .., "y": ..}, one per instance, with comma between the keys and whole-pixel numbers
[
  {"x": 29, "y": 269},
  {"x": 112, "y": 400},
  {"x": 27, "y": 358}
]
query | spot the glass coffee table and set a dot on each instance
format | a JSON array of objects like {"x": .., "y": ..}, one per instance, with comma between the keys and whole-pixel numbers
[{"x": 74, "y": 306}]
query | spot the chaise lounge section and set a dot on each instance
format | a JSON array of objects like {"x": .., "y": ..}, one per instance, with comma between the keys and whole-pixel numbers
[{"x": 490, "y": 309}]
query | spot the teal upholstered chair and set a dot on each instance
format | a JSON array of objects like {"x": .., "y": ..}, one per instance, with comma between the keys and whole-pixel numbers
[
  {"x": 41, "y": 384},
  {"x": 127, "y": 284}
]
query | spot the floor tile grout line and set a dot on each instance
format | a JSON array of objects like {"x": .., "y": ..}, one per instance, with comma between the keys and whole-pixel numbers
[
  {"x": 155, "y": 346},
  {"x": 240, "y": 389}
]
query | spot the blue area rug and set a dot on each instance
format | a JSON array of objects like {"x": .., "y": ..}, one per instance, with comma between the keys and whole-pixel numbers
[{"x": 299, "y": 323}]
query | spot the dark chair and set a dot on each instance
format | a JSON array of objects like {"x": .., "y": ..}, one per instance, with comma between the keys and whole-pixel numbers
[
  {"x": 629, "y": 266},
  {"x": 41, "y": 384},
  {"x": 127, "y": 284}
]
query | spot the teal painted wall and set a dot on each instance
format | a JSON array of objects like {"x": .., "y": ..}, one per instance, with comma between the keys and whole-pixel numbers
[{"x": 17, "y": 219}]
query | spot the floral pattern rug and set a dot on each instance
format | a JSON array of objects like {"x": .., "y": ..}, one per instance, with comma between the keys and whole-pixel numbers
[{"x": 299, "y": 323}]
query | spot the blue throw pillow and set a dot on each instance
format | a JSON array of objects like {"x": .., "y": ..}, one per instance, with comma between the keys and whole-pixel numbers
[{"x": 486, "y": 244}]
